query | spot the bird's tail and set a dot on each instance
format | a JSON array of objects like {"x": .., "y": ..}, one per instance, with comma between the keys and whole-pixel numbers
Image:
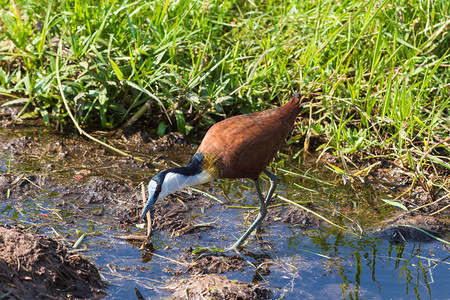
[
  {"x": 297, "y": 100},
  {"x": 297, "y": 95}
]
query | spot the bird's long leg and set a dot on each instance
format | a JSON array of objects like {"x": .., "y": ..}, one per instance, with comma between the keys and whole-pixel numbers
[
  {"x": 273, "y": 185},
  {"x": 263, "y": 208}
]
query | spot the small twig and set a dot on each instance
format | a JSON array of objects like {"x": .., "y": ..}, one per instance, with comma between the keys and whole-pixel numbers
[
  {"x": 434, "y": 36},
  {"x": 143, "y": 283},
  {"x": 170, "y": 259},
  {"x": 429, "y": 151},
  {"x": 308, "y": 132},
  {"x": 310, "y": 211},
  {"x": 147, "y": 241},
  {"x": 438, "y": 211},
  {"x": 205, "y": 194},
  {"x": 32, "y": 183},
  {"x": 138, "y": 114},
  {"x": 367, "y": 170},
  {"x": 431, "y": 203},
  {"x": 171, "y": 115},
  {"x": 209, "y": 224},
  {"x": 149, "y": 215},
  {"x": 131, "y": 237}
]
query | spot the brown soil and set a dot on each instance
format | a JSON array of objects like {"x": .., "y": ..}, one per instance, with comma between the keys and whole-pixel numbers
[
  {"x": 403, "y": 228},
  {"x": 34, "y": 266},
  {"x": 216, "y": 264},
  {"x": 394, "y": 177},
  {"x": 215, "y": 287},
  {"x": 174, "y": 213},
  {"x": 293, "y": 215}
]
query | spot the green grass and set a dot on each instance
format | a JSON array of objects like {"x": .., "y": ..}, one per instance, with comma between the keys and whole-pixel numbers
[{"x": 377, "y": 71}]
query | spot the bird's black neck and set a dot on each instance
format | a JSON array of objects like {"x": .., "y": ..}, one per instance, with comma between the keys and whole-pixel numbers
[{"x": 193, "y": 167}]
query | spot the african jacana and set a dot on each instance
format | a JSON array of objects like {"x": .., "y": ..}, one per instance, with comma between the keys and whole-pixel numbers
[{"x": 238, "y": 147}]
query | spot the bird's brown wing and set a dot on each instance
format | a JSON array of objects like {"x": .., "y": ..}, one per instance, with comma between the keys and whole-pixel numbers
[{"x": 244, "y": 145}]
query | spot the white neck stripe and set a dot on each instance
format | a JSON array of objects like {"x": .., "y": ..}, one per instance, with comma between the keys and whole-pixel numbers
[{"x": 175, "y": 181}]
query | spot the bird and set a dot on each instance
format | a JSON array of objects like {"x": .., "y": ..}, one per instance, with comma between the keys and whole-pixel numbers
[{"x": 237, "y": 147}]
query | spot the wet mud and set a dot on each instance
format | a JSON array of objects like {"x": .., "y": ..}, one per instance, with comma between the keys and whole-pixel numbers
[
  {"x": 93, "y": 182},
  {"x": 216, "y": 264},
  {"x": 293, "y": 215},
  {"x": 34, "y": 266},
  {"x": 176, "y": 212},
  {"x": 413, "y": 227},
  {"x": 215, "y": 287}
]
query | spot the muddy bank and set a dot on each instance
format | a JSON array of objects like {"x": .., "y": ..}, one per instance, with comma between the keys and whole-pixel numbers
[
  {"x": 215, "y": 287},
  {"x": 412, "y": 227},
  {"x": 427, "y": 193},
  {"x": 214, "y": 264},
  {"x": 293, "y": 215},
  {"x": 176, "y": 212},
  {"x": 34, "y": 266}
]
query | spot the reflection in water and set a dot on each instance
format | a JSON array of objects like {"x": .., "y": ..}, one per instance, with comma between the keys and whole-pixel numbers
[{"x": 371, "y": 267}]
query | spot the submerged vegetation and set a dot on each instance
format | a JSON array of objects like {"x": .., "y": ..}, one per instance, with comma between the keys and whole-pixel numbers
[{"x": 376, "y": 72}]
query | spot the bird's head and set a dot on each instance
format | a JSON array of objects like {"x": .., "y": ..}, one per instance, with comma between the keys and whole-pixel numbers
[
  {"x": 172, "y": 180},
  {"x": 156, "y": 191}
]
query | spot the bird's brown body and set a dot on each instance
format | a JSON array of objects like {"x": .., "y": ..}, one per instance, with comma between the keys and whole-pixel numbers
[
  {"x": 238, "y": 147},
  {"x": 242, "y": 146}
]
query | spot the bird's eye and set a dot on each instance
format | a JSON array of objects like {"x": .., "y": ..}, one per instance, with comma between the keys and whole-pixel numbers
[{"x": 157, "y": 190}]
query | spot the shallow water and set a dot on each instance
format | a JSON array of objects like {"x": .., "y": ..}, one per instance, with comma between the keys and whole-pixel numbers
[{"x": 302, "y": 263}]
